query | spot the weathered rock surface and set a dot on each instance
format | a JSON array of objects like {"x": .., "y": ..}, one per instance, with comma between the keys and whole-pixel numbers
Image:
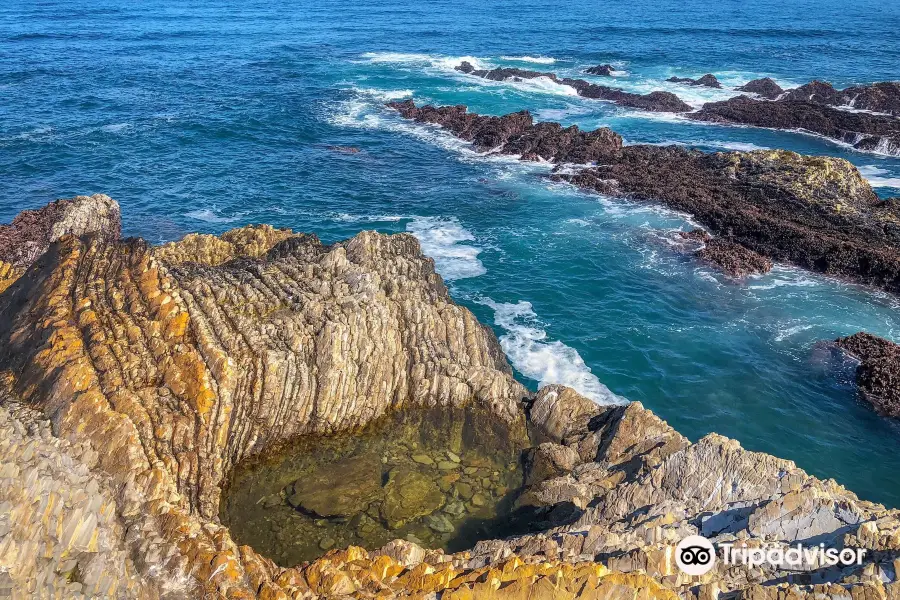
[
  {"x": 878, "y": 374},
  {"x": 345, "y": 491},
  {"x": 815, "y": 212},
  {"x": 764, "y": 87},
  {"x": 863, "y": 131},
  {"x": 709, "y": 80},
  {"x": 32, "y": 231},
  {"x": 161, "y": 368},
  {"x": 734, "y": 259},
  {"x": 658, "y": 101}
]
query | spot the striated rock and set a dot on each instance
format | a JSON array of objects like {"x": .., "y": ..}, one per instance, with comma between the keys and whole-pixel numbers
[
  {"x": 862, "y": 131},
  {"x": 655, "y": 101},
  {"x": 709, "y": 80},
  {"x": 815, "y": 212},
  {"x": 160, "y": 369},
  {"x": 764, "y": 87},
  {"x": 878, "y": 374},
  {"x": 32, "y": 231},
  {"x": 605, "y": 70}
]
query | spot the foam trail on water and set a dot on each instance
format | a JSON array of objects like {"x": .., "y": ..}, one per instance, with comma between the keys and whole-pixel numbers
[
  {"x": 526, "y": 345},
  {"x": 541, "y": 60},
  {"x": 874, "y": 175},
  {"x": 210, "y": 216},
  {"x": 442, "y": 240},
  {"x": 435, "y": 61}
]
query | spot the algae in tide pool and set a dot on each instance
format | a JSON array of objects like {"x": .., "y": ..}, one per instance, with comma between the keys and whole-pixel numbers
[{"x": 444, "y": 478}]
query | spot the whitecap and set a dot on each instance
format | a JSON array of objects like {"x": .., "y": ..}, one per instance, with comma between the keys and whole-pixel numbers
[
  {"x": 874, "y": 176},
  {"x": 541, "y": 60},
  {"x": 384, "y": 95},
  {"x": 116, "y": 127},
  {"x": 435, "y": 61},
  {"x": 349, "y": 218},
  {"x": 210, "y": 216},
  {"x": 442, "y": 239},
  {"x": 548, "y": 362}
]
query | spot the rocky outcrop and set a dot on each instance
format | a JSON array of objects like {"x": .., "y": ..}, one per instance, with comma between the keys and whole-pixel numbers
[
  {"x": 882, "y": 97},
  {"x": 654, "y": 101},
  {"x": 32, "y": 231},
  {"x": 605, "y": 70},
  {"x": 878, "y": 373},
  {"x": 815, "y": 212},
  {"x": 863, "y": 131},
  {"x": 732, "y": 258},
  {"x": 135, "y": 378},
  {"x": 764, "y": 87},
  {"x": 709, "y": 80}
]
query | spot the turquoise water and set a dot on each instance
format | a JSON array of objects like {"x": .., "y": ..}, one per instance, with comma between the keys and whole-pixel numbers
[{"x": 206, "y": 117}]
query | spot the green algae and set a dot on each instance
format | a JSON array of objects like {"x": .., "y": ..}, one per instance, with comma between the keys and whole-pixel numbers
[{"x": 443, "y": 478}]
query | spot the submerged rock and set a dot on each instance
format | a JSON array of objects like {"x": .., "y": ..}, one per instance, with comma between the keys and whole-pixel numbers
[
  {"x": 409, "y": 494},
  {"x": 346, "y": 489}
]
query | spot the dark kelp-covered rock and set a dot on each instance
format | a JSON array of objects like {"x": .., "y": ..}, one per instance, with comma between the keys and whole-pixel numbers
[
  {"x": 878, "y": 374},
  {"x": 882, "y": 97},
  {"x": 863, "y": 131},
  {"x": 605, "y": 70},
  {"x": 709, "y": 80},
  {"x": 815, "y": 212},
  {"x": 734, "y": 259},
  {"x": 764, "y": 87}
]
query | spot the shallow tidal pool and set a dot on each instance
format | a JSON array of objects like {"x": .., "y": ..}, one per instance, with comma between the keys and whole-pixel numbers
[{"x": 443, "y": 478}]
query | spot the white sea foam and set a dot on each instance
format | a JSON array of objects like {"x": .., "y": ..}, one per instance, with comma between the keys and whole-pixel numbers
[
  {"x": 443, "y": 239},
  {"x": 548, "y": 362},
  {"x": 435, "y": 61},
  {"x": 541, "y": 60},
  {"x": 874, "y": 175},
  {"x": 786, "y": 332},
  {"x": 384, "y": 95},
  {"x": 348, "y": 218},
  {"x": 116, "y": 127},
  {"x": 210, "y": 216}
]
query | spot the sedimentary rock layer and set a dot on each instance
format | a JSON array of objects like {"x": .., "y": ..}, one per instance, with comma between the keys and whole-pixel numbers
[
  {"x": 159, "y": 369},
  {"x": 654, "y": 101},
  {"x": 878, "y": 374},
  {"x": 815, "y": 212}
]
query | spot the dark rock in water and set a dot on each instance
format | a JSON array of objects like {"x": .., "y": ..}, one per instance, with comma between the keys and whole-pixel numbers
[
  {"x": 732, "y": 258},
  {"x": 708, "y": 80},
  {"x": 863, "y": 131},
  {"x": 517, "y": 133},
  {"x": 604, "y": 70},
  {"x": 655, "y": 101},
  {"x": 883, "y": 97},
  {"x": 878, "y": 375},
  {"x": 765, "y": 87},
  {"x": 815, "y": 212}
]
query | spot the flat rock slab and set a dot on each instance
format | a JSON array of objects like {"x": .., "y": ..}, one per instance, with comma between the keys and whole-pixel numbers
[
  {"x": 345, "y": 489},
  {"x": 408, "y": 495}
]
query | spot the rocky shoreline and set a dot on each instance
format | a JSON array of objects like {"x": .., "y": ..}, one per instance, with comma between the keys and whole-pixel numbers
[
  {"x": 815, "y": 212},
  {"x": 816, "y": 107},
  {"x": 135, "y": 379}
]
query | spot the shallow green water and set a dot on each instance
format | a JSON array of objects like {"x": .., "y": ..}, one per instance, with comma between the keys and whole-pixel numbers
[{"x": 442, "y": 478}]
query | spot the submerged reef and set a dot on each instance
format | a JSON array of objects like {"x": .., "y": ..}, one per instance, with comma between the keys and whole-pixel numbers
[
  {"x": 142, "y": 389},
  {"x": 818, "y": 213}
]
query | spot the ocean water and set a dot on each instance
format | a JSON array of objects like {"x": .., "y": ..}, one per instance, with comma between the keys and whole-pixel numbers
[{"x": 208, "y": 115}]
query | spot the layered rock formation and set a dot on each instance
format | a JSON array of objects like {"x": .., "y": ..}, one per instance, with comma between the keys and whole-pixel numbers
[
  {"x": 878, "y": 374},
  {"x": 135, "y": 378},
  {"x": 32, "y": 231},
  {"x": 654, "y": 101},
  {"x": 815, "y": 212}
]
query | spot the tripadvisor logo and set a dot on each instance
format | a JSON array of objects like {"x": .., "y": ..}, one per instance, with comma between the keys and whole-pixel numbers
[{"x": 696, "y": 555}]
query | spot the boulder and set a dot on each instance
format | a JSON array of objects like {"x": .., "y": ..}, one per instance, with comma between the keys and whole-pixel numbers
[
  {"x": 343, "y": 489},
  {"x": 764, "y": 87},
  {"x": 408, "y": 495}
]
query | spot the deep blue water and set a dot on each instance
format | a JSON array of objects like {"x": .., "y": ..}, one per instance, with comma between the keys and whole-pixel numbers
[{"x": 203, "y": 116}]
